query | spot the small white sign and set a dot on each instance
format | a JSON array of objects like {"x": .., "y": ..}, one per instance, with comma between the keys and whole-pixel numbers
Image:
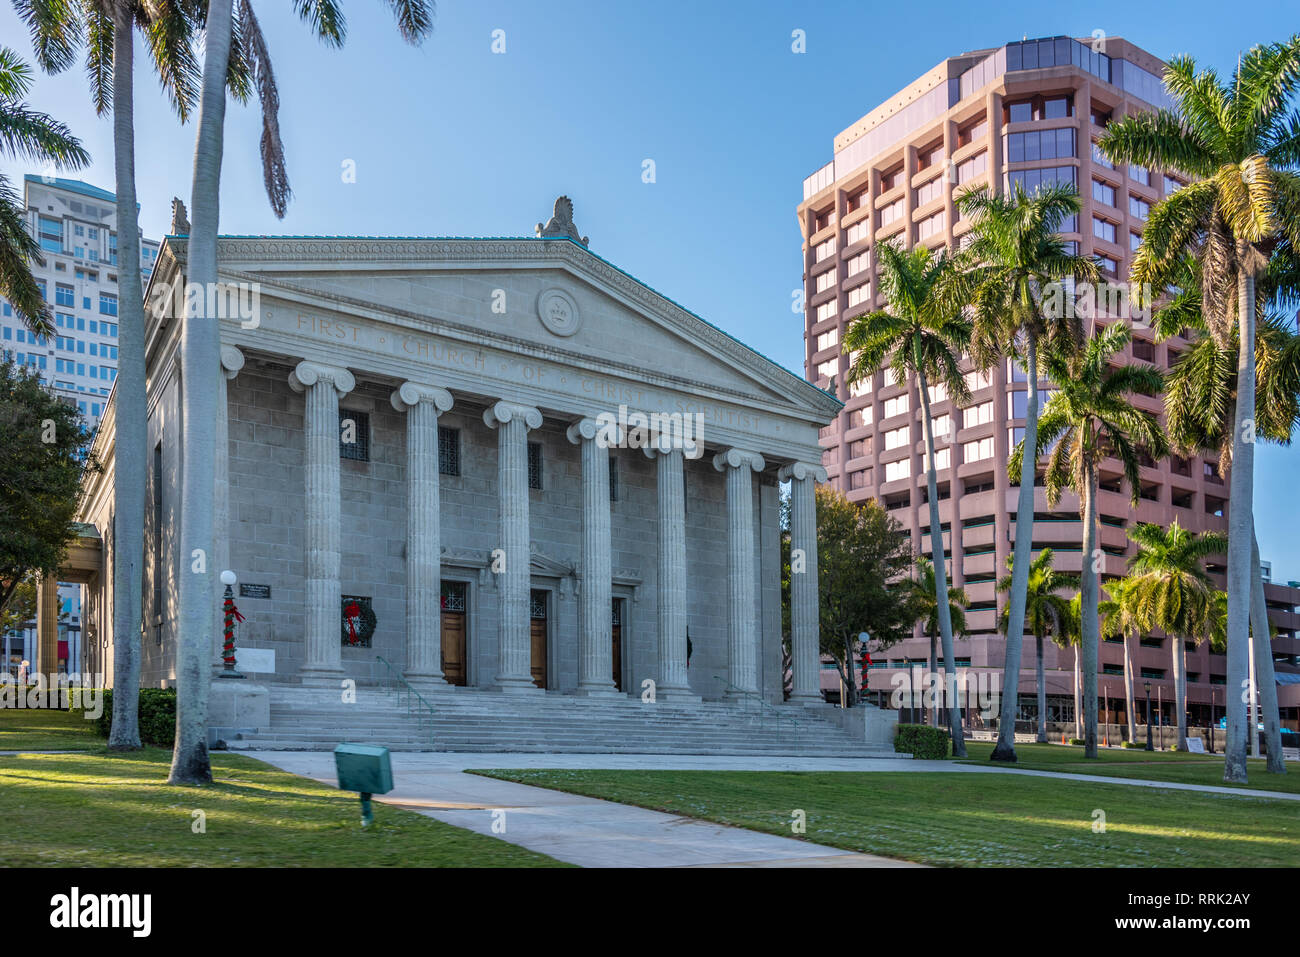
[
  {"x": 1195, "y": 745},
  {"x": 255, "y": 660}
]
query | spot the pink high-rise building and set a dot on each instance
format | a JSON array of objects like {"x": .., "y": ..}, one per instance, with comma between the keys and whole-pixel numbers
[{"x": 1029, "y": 112}]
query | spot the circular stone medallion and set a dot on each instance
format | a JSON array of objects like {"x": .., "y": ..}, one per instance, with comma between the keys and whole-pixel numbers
[{"x": 558, "y": 312}]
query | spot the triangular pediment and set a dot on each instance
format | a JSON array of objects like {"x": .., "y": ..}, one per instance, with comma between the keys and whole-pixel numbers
[
  {"x": 542, "y": 564},
  {"x": 548, "y": 295}
]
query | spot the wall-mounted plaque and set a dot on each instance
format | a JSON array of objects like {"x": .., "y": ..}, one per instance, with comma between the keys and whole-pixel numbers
[{"x": 254, "y": 591}]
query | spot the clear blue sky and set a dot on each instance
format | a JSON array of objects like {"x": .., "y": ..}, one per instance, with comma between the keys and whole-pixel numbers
[{"x": 452, "y": 139}]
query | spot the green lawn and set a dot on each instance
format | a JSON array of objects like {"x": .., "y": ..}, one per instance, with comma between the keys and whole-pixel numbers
[
  {"x": 39, "y": 730},
  {"x": 101, "y": 809},
  {"x": 1134, "y": 763},
  {"x": 955, "y": 819}
]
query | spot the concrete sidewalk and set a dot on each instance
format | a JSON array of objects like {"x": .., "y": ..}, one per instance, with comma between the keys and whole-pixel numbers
[
  {"x": 596, "y": 833},
  {"x": 1103, "y": 779},
  {"x": 582, "y": 830}
]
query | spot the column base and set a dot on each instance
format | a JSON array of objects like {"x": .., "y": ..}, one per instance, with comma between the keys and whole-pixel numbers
[
  {"x": 806, "y": 700},
  {"x": 321, "y": 677},
  {"x": 602, "y": 690},
  {"x": 510, "y": 685},
  {"x": 677, "y": 696},
  {"x": 431, "y": 684},
  {"x": 732, "y": 694}
]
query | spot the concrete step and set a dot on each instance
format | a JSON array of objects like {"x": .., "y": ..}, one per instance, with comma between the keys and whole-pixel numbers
[{"x": 483, "y": 720}]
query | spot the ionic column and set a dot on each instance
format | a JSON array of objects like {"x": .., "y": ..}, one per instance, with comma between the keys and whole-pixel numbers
[
  {"x": 46, "y": 660},
  {"x": 422, "y": 405},
  {"x": 514, "y": 648},
  {"x": 321, "y": 387},
  {"x": 672, "y": 682},
  {"x": 595, "y": 638},
  {"x": 742, "y": 600},
  {"x": 232, "y": 360},
  {"x": 805, "y": 617}
]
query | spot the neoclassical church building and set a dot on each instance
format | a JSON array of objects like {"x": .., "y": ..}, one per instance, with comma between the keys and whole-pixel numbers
[{"x": 499, "y": 464}]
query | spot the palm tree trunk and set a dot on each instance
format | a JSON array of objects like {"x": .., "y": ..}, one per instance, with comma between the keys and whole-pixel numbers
[
  {"x": 1241, "y": 529},
  {"x": 1267, "y": 680},
  {"x": 934, "y": 670},
  {"x": 1180, "y": 692},
  {"x": 1252, "y": 700},
  {"x": 1042, "y": 693},
  {"x": 1078, "y": 709},
  {"x": 130, "y": 447},
  {"x": 941, "y": 580},
  {"x": 850, "y": 683},
  {"x": 200, "y": 355},
  {"x": 1089, "y": 626},
  {"x": 1130, "y": 705},
  {"x": 1005, "y": 750}
]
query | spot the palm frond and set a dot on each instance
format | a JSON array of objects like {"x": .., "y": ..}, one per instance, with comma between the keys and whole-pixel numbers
[
  {"x": 274, "y": 174},
  {"x": 56, "y": 28}
]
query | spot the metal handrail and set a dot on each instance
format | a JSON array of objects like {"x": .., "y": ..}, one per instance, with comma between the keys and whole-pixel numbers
[
  {"x": 415, "y": 702},
  {"x": 763, "y": 706}
]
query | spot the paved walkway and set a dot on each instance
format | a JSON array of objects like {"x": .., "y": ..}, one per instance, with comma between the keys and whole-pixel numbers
[
  {"x": 1135, "y": 782},
  {"x": 583, "y": 830},
  {"x": 596, "y": 833}
]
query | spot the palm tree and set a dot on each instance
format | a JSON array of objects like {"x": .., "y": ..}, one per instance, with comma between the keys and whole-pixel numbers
[
  {"x": 236, "y": 56},
  {"x": 1070, "y": 637},
  {"x": 1119, "y": 617},
  {"x": 1015, "y": 257},
  {"x": 1173, "y": 592},
  {"x": 1046, "y": 613},
  {"x": 35, "y": 138},
  {"x": 1240, "y": 142},
  {"x": 925, "y": 591},
  {"x": 923, "y": 334},
  {"x": 1201, "y": 399},
  {"x": 106, "y": 29},
  {"x": 1090, "y": 418}
]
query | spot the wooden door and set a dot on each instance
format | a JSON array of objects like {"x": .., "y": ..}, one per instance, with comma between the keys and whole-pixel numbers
[
  {"x": 454, "y": 661},
  {"x": 616, "y": 629},
  {"x": 537, "y": 615}
]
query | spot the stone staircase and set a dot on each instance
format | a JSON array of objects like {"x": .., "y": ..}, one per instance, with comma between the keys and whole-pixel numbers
[{"x": 470, "y": 719}]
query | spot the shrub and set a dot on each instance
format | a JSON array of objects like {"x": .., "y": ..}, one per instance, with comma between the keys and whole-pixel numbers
[
  {"x": 922, "y": 741},
  {"x": 1131, "y": 744},
  {"x": 157, "y": 716}
]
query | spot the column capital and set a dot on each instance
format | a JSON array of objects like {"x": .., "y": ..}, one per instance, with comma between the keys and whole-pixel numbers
[
  {"x": 736, "y": 458},
  {"x": 502, "y": 412},
  {"x": 663, "y": 443},
  {"x": 606, "y": 434},
  {"x": 800, "y": 471},
  {"x": 308, "y": 373},
  {"x": 232, "y": 360},
  {"x": 410, "y": 394},
  {"x": 655, "y": 451}
]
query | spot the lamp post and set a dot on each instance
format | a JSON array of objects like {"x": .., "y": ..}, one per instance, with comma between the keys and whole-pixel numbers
[
  {"x": 230, "y": 615},
  {"x": 1147, "y": 685}
]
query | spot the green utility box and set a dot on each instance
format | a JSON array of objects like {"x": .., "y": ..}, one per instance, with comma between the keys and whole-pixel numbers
[{"x": 366, "y": 769}]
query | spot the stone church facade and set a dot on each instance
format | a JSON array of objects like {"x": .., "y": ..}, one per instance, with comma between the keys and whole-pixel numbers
[{"x": 492, "y": 463}]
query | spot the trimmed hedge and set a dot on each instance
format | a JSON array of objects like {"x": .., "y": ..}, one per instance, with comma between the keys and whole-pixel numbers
[
  {"x": 1076, "y": 741},
  {"x": 922, "y": 741},
  {"x": 157, "y": 716},
  {"x": 1131, "y": 744}
]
